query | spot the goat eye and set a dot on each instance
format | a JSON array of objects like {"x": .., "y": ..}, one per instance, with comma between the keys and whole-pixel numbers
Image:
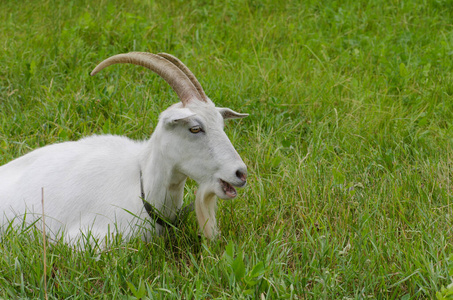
[{"x": 195, "y": 129}]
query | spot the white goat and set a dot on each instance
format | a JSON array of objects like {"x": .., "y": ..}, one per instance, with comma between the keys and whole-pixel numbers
[{"x": 97, "y": 183}]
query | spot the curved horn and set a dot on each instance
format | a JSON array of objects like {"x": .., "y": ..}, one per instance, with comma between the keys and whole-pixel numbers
[
  {"x": 176, "y": 78},
  {"x": 186, "y": 71}
]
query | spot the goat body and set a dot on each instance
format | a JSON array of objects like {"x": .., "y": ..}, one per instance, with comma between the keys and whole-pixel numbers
[{"x": 96, "y": 183}]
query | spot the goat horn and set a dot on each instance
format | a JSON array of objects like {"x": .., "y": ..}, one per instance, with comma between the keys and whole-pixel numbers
[
  {"x": 186, "y": 71},
  {"x": 175, "y": 77}
]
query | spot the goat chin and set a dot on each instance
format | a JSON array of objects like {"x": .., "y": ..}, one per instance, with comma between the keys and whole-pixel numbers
[{"x": 205, "y": 208}]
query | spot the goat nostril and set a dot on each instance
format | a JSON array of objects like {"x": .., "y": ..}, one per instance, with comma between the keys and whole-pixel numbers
[{"x": 242, "y": 176}]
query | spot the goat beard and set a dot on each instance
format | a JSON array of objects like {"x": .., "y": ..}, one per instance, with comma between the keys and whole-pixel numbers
[{"x": 205, "y": 208}]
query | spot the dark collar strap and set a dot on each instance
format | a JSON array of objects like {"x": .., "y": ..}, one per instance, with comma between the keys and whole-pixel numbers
[
  {"x": 154, "y": 215},
  {"x": 149, "y": 208}
]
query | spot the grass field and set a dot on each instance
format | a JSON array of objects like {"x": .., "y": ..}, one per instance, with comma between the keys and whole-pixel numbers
[{"x": 348, "y": 143}]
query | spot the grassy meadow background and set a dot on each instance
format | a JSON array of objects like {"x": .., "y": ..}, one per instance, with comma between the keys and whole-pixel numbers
[{"x": 348, "y": 143}]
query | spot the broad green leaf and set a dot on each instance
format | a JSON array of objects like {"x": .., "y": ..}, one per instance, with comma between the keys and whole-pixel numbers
[
  {"x": 257, "y": 271},
  {"x": 239, "y": 267}
]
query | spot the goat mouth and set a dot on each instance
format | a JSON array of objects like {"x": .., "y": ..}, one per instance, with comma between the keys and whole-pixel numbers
[{"x": 228, "y": 189}]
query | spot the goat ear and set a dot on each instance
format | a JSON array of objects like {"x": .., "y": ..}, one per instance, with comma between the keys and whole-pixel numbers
[
  {"x": 177, "y": 116},
  {"x": 230, "y": 114}
]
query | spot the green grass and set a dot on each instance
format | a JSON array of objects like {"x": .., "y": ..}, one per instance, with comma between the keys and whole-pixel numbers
[{"x": 348, "y": 143}]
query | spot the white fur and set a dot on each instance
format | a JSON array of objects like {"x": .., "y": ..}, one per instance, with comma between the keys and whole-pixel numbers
[{"x": 94, "y": 183}]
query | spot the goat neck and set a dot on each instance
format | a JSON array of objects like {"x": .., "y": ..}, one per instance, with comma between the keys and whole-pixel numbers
[{"x": 163, "y": 184}]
